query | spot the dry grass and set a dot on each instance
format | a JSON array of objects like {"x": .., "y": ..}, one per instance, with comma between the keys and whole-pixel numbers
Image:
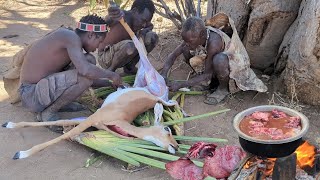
[{"x": 290, "y": 101}]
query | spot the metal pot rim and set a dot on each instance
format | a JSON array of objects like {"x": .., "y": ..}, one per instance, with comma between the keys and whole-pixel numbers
[{"x": 291, "y": 112}]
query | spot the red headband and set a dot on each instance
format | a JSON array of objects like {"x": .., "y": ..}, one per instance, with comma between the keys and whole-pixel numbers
[{"x": 92, "y": 27}]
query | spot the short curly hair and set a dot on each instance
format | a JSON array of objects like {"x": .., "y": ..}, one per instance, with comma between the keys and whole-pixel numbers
[
  {"x": 92, "y": 19},
  {"x": 141, "y": 5},
  {"x": 193, "y": 24}
]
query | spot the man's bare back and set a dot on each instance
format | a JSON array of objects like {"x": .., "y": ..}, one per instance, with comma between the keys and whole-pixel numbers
[
  {"x": 47, "y": 85},
  {"x": 48, "y": 55}
]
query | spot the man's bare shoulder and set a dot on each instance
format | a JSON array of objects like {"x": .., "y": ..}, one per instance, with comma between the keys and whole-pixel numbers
[
  {"x": 215, "y": 41},
  {"x": 66, "y": 36}
]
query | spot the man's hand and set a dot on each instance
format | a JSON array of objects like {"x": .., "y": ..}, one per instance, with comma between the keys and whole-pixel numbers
[
  {"x": 142, "y": 33},
  {"x": 114, "y": 12},
  {"x": 116, "y": 80},
  {"x": 174, "y": 85}
]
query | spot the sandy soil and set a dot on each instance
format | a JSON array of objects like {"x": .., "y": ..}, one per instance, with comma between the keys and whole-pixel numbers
[{"x": 31, "y": 20}]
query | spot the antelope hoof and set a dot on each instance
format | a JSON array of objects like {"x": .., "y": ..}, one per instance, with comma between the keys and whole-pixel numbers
[
  {"x": 8, "y": 125},
  {"x": 5, "y": 124},
  {"x": 16, "y": 156},
  {"x": 21, "y": 155}
]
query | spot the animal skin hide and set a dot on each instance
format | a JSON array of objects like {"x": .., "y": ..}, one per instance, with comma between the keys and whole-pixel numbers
[{"x": 147, "y": 76}]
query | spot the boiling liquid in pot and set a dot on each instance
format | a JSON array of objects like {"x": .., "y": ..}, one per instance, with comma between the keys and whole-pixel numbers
[{"x": 270, "y": 127}]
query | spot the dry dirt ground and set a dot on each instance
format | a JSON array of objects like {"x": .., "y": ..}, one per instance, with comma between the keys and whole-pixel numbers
[{"x": 32, "y": 19}]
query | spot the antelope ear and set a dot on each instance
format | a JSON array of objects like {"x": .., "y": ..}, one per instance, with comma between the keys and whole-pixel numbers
[{"x": 158, "y": 110}]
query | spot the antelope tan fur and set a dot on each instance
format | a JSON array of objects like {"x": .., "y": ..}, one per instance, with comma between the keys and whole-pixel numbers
[{"x": 115, "y": 116}]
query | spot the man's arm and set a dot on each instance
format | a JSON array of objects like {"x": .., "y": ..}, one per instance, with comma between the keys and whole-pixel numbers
[
  {"x": 215, "y": 46},
  {"x": 114, "y": 15},
  {"x": 170, "y": 59},
  {"x": 148, "y": 27},
  {"x": 101, "y": 83},
  {"x": 85, "y": 68}
]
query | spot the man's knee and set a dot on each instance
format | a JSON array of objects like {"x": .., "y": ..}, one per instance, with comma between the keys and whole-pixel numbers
[
  {"x": 90, "y": 58},
  {"x": 130, "y": 48},
  {"x": 151, "y": 38},
  {"x": 220, "y": 60},
  {"x": 221, "y": 65}
]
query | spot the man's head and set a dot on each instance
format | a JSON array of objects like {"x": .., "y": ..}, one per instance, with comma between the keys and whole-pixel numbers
[
  {"x": 142, "y": 12},
  {"x": 194, "y": 32},
  {"x": 92, "y": 31}
]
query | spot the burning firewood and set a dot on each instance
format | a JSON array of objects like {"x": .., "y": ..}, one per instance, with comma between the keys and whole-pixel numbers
[{"x": 300, "y": 165}]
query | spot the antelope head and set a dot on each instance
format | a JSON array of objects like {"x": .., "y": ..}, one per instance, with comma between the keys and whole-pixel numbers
[
  {"x": 162, "y": 137},
  {"x": 159, "y": 134}
]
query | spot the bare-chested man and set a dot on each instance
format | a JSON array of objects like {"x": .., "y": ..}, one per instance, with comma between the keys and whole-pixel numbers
[
  {"x": 217, "y": 60},
  {"x": 117, "y": 49},
  {"x": 45, "y": 88}
]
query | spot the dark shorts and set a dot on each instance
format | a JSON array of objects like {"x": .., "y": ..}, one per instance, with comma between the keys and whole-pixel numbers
[{"x": 37, "y": 97}]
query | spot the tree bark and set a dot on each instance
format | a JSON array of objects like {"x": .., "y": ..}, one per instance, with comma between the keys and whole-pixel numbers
[
  {"x": 300, "y": 54},
  {"x": 268, "y": 23},
  {"x": 237, "y": 10},
  {"x": 284, "y": 34},
  {"x": 261, "y": 24}
]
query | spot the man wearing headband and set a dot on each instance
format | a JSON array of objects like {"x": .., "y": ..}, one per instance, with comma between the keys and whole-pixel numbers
[
  {"x": 118, "y": 50},
  {"x": 45, "y": 86}
]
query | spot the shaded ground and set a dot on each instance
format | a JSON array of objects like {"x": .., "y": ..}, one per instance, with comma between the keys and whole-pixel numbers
[{"x": 66, "y": 160}]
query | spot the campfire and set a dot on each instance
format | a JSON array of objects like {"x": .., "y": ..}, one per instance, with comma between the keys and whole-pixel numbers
[
  {"x": 306, "y": 155},
  {"x": 299, "y": 165}
]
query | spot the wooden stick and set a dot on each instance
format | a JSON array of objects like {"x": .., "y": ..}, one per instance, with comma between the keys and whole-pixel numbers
[
  {"x": 190, "y": 7},
  {"x": 127, "y": 28},
  {"x": 184, "y": 9},
  {"x": 199, "y": 9},
  {"x": 209, "y": 10},
  {"x": 177, "y": 16},
  {"x": 193, "y": 8},
  {"x": 124, "y": 24},
  {"x": 159, "y": 5},
  {"x": 162, "y": 14},
  {"x": 170, "y": 14},
  {"x": 285, "y": 168},
  {"x": 179, "y": 9}
]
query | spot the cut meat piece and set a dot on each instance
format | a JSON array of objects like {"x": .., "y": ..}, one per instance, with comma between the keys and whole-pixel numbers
[
  {"x": 184, "y": 169},
  {"x": 201, "y": 150},
  {"x": 223, "y": 162},
  {"x": 278, "y": 114},
  {"x": 294, "y": 122},
  {"x": 255, "y": 124},
  {"x": 261, "y": 115},
  {"x": 218, "y": 163}
]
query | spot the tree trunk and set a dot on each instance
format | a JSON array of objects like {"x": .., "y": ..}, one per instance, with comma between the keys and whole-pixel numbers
[
  {"x": 238, "y": 10},
  {"x": 262, "y": 24},
  {"x": 277, "y": 32},
  {"x": 268, "y": 23},
  {"x": 300, "y": 54}
]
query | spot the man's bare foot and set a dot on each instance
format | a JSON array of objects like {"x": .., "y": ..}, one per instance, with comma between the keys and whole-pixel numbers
[
  {"x": 73, "y": 107},
  {"x": 216, "y": 97}
]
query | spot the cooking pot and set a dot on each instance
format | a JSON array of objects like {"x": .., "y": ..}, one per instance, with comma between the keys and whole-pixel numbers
[{"x": 270, "y": 148}]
